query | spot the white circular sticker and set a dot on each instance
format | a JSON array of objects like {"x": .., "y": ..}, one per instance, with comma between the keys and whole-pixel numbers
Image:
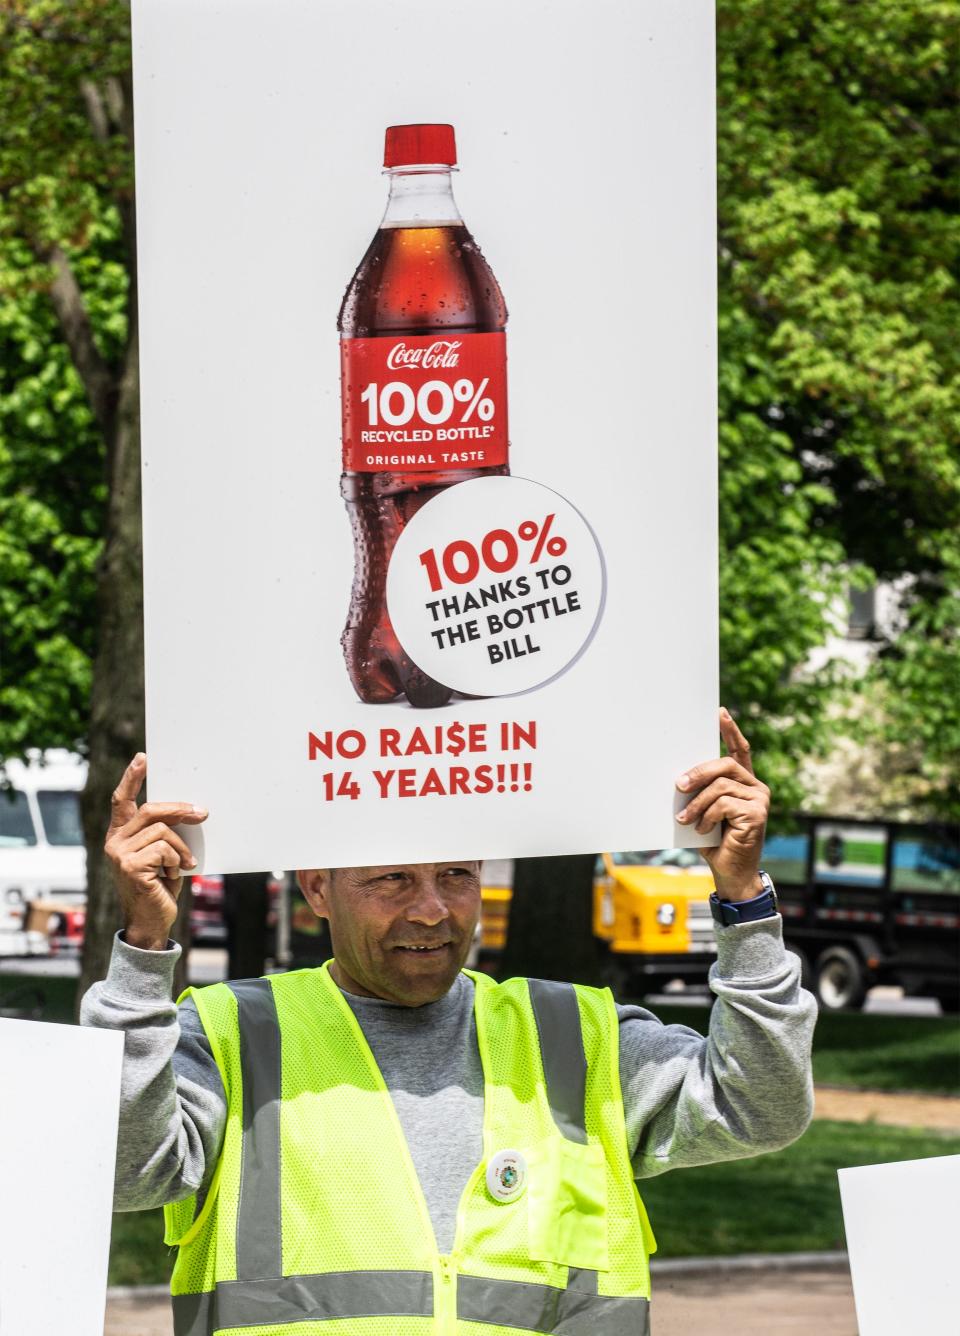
[
  {"x": 495, "y": 586},
  {"x": 506, "y": 1175}
]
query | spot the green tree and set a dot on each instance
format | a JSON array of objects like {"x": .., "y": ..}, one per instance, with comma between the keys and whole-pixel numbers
[
  {"x": 69, "y": 411},
  {"x": 840, "y": 367},
  {"x": 52, "y": 497}
]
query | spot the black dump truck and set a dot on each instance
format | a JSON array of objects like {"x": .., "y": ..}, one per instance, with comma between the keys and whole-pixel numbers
[{"x": 869, "y": 902}]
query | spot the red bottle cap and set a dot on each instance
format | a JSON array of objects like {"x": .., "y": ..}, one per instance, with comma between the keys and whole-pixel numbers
[{"x": 408, "y": 144}]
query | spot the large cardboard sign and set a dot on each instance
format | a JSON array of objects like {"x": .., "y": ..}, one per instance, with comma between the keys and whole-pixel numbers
[
  {"x": 901, "y": 1225},
  {"x": 429, "y": 457},
  {"x": 58, "y": 1146}
]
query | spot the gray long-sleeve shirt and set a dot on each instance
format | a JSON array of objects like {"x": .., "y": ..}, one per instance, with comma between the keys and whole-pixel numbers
[{"x": 745, "y": 1088}]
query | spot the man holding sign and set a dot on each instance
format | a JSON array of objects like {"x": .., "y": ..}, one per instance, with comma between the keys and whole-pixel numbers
[{"x": 401, "y": 1146}]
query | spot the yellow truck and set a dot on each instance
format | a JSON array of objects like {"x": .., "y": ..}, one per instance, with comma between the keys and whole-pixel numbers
[{"x": 651, "y": 907}]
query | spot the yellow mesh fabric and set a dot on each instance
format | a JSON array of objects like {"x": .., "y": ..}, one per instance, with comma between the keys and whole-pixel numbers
[
  {"x": 349, "y": 1195},
  {"x": 178, "y": 1217},
  {"x": 348, "y": 1202},
  {"x": 630, "y": 1238},
  {"x": 494, "y": 1236},
  {"x": 209, "y": 1250}
]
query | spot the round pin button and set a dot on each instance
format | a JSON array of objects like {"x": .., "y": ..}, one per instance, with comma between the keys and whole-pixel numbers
[{"x": 506, "y": 1175}]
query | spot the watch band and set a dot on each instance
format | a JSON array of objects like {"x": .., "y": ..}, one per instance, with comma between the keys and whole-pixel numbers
[{"x": 764, "y": 905}]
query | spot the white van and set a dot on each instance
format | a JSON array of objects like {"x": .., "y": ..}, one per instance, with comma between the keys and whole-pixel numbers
[{"x": 41, "y": 843}]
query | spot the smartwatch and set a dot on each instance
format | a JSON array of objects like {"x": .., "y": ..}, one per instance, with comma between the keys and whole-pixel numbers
[{"x": 764, "y": 905}]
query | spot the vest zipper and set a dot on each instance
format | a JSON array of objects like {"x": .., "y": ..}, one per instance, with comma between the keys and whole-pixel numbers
[
  {"x": 447, "y": 1264},
  {"x": 445, "y": 1315}
]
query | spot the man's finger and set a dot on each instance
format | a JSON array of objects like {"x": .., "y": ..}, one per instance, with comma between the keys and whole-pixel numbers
[
  {"x": 744, "y": 816},
  {"x": 159, "y": 830},
  {"x": 699, "y": 775},
  {"x": 725, "y": 808},
  {"x": 159, "y": 861},
  {"x": 123, "y": 802},
  {"x": 166, "y": 859},
  {"x": 171, "y": 814},
  {"x": 697, "y": 805},
  {"x": 734, "y": 741}
]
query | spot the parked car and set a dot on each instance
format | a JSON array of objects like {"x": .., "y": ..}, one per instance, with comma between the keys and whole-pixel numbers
[{"x": 42, "y": 858}]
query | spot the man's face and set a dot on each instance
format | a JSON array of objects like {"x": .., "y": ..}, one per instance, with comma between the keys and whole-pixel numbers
[{"x": 400, "y": 932}]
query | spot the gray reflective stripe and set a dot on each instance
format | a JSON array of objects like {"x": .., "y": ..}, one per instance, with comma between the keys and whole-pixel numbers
[
  {"x": 191, "y": 1314},
  {"x": 259, "y": 1245},
  {"x": 587, "y": 1282},
  {"x": 543, "y": 1308},
  {"x": 557, "y": 1015},
  {"x": 332, "y": 1294}
]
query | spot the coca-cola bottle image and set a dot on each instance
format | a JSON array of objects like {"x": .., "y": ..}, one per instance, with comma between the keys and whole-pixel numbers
[{"x": 424, "y": 390}]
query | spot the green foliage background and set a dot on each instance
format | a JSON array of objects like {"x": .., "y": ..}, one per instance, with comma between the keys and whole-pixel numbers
[
  {"x": 59, "y": 186},
  {"x": 839, "y": 377}
]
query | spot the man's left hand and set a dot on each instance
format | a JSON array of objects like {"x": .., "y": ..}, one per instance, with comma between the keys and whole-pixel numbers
[{"x": 728, "y": 793}]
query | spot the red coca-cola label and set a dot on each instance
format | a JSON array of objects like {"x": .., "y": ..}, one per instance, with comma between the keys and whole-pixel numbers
[{"x": 430, "y": 402}]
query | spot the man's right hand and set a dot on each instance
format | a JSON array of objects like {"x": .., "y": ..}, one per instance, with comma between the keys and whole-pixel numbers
[{"x": 148, "y": 857}]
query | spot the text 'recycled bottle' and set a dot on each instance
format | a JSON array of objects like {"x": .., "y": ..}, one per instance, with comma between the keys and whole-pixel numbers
[{"x": 424, "y": 389}]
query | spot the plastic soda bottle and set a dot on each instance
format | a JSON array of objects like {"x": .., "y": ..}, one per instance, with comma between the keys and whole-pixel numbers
[{"x": 423, "y": 389}]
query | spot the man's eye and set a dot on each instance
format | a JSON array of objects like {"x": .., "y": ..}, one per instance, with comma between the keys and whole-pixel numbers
[{"x": 459, "y": 871}]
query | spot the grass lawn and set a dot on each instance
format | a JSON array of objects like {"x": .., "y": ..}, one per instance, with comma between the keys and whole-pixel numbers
[
  {"x": 888, "y": 1052},
  {"x": 785, "y": 1202},
  {"x": 53, "y": 997},
  {"x": 138, "y": 1254}
]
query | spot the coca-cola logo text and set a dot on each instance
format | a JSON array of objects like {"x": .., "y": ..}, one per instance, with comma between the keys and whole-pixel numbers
[{"x": 443, "y": 352}]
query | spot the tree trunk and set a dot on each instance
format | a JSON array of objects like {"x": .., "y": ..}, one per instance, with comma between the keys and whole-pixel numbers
[
  {"x": 116, "y": 697},
  {"x": 551, "y": 920}
]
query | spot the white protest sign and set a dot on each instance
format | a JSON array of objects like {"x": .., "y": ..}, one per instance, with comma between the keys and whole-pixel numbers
[
  {"x": 58, "y": 1145},
  {"x": 901, "y": 1225},
  {"x": 430, "y": 532}
]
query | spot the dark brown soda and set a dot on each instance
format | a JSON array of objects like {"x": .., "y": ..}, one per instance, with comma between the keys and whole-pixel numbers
[{"x": 414, "y": 281}]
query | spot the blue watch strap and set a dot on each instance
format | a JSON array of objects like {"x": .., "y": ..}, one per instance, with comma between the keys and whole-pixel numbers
[{"x": 764, "y": 905}]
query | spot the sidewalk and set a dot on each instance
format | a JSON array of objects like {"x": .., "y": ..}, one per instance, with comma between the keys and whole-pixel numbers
[
  {"x": 147, "y": 1315},
  {"x": 724, "y": 1300},
  {"x": 768, "y": 1301},
  {"x": 940, "y": 1113}
]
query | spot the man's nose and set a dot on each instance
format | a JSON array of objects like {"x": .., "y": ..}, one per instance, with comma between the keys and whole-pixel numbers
[{"x": 428, "y": 905}]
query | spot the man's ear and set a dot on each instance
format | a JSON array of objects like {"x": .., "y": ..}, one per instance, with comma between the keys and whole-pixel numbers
[{"x": 315, "y": 885}]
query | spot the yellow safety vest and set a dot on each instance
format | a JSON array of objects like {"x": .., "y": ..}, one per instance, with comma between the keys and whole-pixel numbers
[{"x": 315, "y": 1223}]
